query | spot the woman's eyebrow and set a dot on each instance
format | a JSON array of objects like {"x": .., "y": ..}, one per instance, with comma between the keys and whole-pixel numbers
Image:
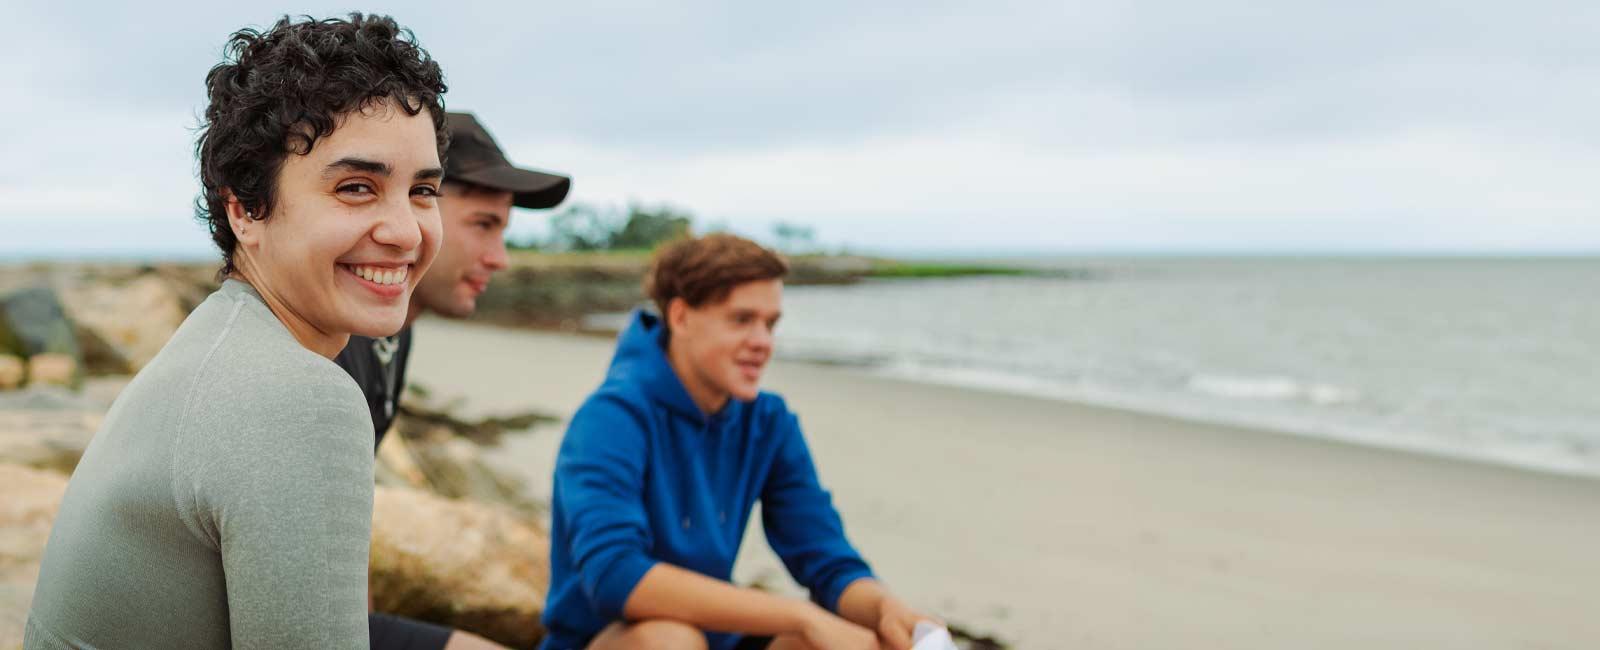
[
  {"x": 375, "y": 167},
  {"x": 356, "y": 165}
]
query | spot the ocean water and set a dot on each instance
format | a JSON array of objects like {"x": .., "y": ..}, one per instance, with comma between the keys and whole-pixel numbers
[{"x": 1492, "y": 359}]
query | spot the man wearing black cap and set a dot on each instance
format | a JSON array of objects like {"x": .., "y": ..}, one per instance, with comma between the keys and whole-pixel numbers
[{"x": 475, "y": 201}]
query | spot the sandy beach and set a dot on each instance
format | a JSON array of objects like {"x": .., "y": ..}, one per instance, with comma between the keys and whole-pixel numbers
[{"x": 1057, "y": 525}]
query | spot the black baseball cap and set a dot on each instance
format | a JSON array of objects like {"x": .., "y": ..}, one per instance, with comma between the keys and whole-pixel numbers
[{"x": 475, "y": 158}]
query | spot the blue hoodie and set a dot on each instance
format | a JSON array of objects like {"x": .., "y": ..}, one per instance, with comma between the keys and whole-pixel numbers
[{"x": 644, "y": 476}]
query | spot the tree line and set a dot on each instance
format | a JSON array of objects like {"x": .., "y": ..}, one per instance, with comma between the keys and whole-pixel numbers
[{"x": 583, "y": 227}]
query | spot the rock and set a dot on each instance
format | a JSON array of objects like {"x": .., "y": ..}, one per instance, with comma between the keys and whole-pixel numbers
[
  {"x": 53, "y": 368},
  {"x": 100, "y": 357},
  {"x": 419, "y": 416},
  {"x": 48, "y": 427},
  {"x": 121, "y": 326},
  {"x": 547, "y": 291},
  {"x": 44, "y": 439},
  {"x": 192, "y": 283},
  {"x": 29, "y": 499},
  {"x": 95, "y": 396},
  {"x": 454, "y": 468},
  {"x": 968, "y": 640},
  {"x": 436, "y": 451},
  {"x": 32, "y": 322},
  {"x": 461, "y": 564},
  {"x": 396, "y": 466},
  {"x": 12, "y": 369}
]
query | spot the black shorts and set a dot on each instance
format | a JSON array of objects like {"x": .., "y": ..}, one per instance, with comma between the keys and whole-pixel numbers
[
  {"x": 399, "y": 633},
  {"x": 747, "y": 643}
]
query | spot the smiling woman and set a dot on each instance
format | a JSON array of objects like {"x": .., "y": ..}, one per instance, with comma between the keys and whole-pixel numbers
[
  {"x": 227, "y": 500},
  {"x": 356, "y": 222}
]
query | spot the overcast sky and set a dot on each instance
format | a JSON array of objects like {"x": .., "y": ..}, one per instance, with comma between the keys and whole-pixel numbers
[{"x": 980, "y": 127}]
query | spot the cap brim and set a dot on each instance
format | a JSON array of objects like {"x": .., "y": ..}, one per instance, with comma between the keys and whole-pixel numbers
[{"x": 529, "y": 189}]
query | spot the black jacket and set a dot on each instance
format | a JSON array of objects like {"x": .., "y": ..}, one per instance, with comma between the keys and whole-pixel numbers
[{"x": 360, "y": 359}]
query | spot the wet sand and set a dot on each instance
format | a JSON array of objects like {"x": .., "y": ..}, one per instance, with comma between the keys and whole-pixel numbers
[{"x": 1058, "y": 525}]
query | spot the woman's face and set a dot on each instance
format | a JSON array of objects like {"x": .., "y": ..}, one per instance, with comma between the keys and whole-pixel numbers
[{"x": 355, "y": 226}]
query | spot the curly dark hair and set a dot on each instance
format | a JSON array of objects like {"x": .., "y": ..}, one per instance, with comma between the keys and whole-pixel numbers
[{"x": 276, "y": 92}]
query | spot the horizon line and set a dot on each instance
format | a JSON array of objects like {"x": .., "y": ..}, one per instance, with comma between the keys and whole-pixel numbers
[{"x": 170, "y": 255}]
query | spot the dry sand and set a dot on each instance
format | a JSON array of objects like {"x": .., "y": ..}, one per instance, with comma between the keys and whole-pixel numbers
[{"x": 1057, "y": 525}]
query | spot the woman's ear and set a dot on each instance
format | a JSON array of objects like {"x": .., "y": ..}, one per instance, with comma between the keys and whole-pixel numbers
[{"x": 242, "y": 221}]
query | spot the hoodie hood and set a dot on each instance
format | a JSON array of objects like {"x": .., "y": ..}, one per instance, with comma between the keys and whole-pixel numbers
[{"x": 641, "y": 360}]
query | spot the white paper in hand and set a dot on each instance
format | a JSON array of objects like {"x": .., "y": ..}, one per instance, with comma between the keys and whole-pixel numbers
[{"x": 931, "y": 636}]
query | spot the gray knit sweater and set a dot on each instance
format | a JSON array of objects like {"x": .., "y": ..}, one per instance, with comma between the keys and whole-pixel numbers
[{"x": 226, "y": 501}]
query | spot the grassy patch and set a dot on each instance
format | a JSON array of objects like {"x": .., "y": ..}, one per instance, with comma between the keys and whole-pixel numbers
[
  {"x": 805, "y": 268},
  {"x": 937, "y": 270}
]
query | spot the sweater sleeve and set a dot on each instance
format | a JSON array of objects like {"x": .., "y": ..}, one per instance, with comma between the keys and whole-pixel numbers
[
  {"x": 802, "y": 525},
  {"x": 284, "y": 490},
  {"x": 600, "y": 476}
]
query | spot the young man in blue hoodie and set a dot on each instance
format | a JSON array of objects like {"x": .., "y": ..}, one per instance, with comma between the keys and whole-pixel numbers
[{"x": 661, "y": 465}]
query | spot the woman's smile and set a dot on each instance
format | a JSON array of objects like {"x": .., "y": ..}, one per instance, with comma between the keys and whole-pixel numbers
[{"x": 388, "y": 281}]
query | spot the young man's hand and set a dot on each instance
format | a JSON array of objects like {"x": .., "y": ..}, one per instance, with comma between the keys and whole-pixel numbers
[
  {"x": 868, "y": 604},
  {"x": 824, "y": 630},
  {"x": 896, "y": 622}
]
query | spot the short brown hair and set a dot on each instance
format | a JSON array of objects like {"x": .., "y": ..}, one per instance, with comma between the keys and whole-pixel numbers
[{"x": 704, "y": 269}]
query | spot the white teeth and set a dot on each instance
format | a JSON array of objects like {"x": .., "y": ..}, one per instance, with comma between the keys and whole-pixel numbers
[{"x": 378, "y": 275}]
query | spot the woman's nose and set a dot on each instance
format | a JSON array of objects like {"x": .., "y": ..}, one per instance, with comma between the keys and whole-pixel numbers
[{"x": 398, "y": 228}]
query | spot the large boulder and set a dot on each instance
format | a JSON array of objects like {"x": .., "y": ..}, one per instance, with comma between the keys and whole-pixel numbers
[
  {"x": 46, "y": 440},
  {"x": 455, "y": 468},
  {"x": 29, "y": 499},
  {"x": 12, "y": 371},
  {"x": 33, "y": 322},
  {"x": 122, "y": 325},
  {"x": 466, "y": 565},
  {"x": 192, "y": 283},
  {"x": 431, "y": 449},
  {"x": 53, "y": 368},
  {"x": 397, "y": 465},
  {"x": 47, "y": 427}
]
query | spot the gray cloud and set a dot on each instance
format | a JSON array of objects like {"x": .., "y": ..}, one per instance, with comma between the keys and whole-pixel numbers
[{"x": 1471, "y": 112}]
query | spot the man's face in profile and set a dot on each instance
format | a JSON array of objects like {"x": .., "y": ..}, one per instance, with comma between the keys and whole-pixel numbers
[
  {"x": 474, "y": 249},
  {"x": 729, "y": 342}
]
